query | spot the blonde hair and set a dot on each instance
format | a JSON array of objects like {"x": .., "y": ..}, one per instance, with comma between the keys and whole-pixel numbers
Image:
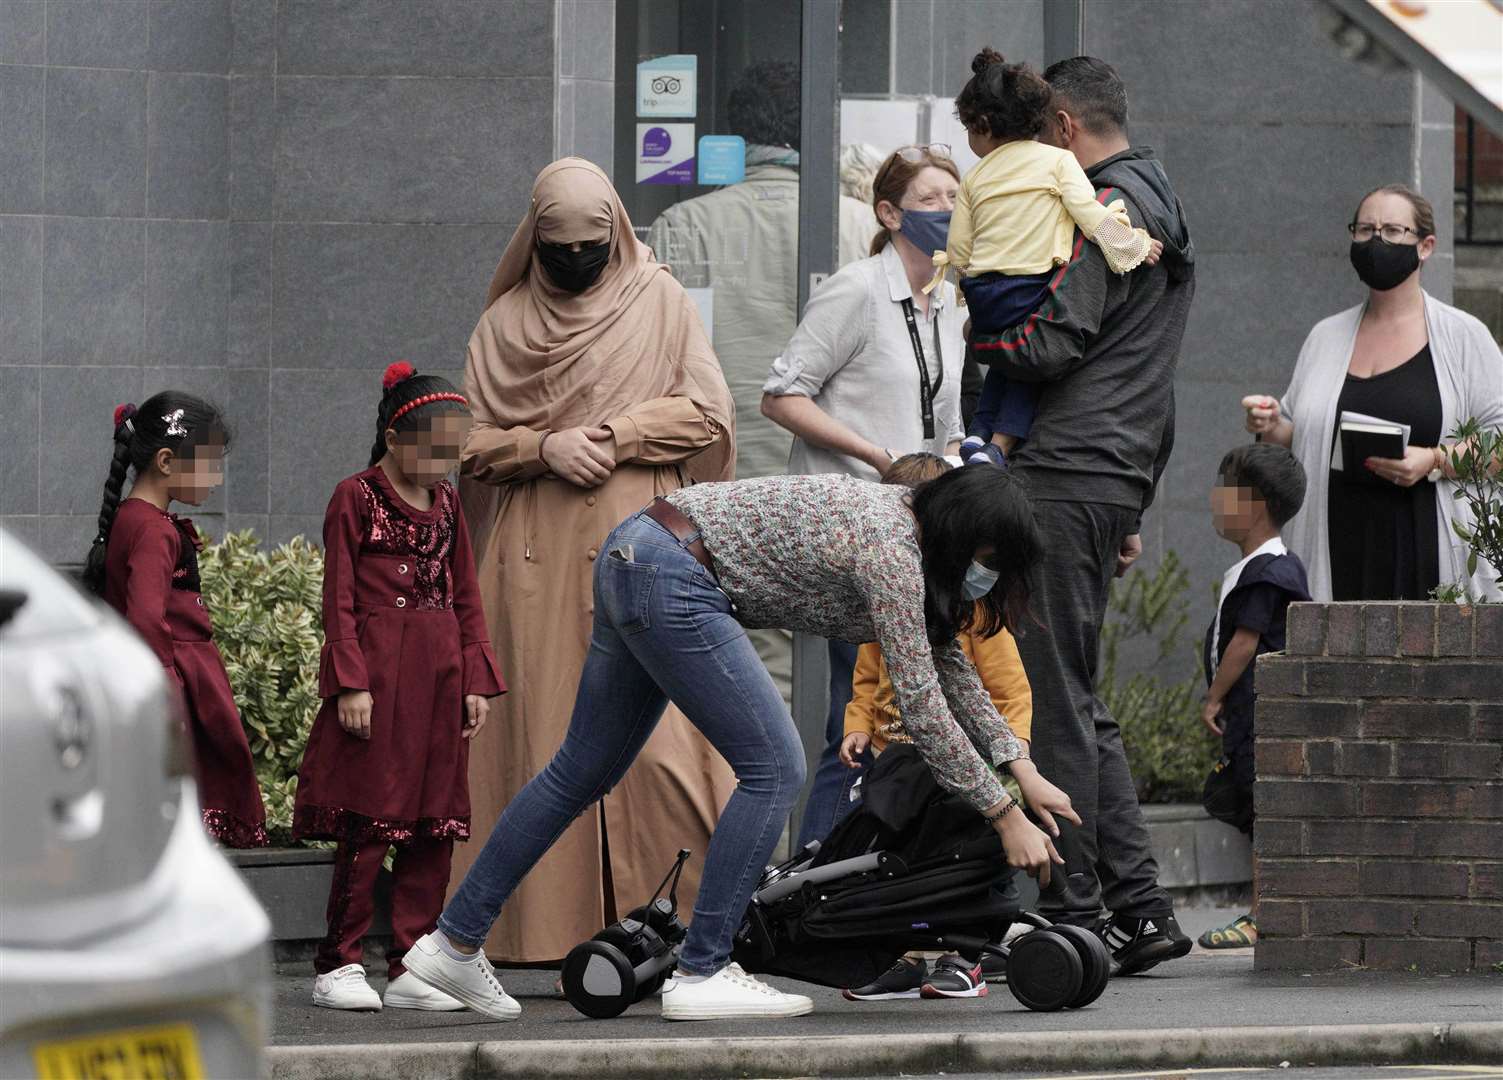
[{"x": 892, "y": 180}]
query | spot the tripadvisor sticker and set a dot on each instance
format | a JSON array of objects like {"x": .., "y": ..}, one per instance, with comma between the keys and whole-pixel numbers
[
  {"x": 665, "y": 153},
  {"x": 666, "y": 85}
]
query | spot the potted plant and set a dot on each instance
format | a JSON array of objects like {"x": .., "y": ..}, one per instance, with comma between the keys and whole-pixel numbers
[
  {"x": 265, "y": 606},
  {"x": 1477, "y": 459}
]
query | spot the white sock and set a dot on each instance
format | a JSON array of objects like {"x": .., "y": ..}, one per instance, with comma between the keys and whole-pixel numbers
[
  {"x": 447, "y": 948},
  {"x": 690, "y": 979}
]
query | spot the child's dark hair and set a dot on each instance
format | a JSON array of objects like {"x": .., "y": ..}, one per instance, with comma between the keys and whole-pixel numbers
[
  {"x": 1006, "y": 101},
  {"x": 170, "y": 420},
  {"x": 914, "y": 470},
  {"x": 1271, "y": 471},
  {"x": 410, "y": 401}
]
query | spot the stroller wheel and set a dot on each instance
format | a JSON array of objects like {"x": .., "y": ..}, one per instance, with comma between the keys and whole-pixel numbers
[
  {"x": 599, "y": 980},
  {"x": 1096, "y": 963},
  {"x": 1044, "y": 971}
]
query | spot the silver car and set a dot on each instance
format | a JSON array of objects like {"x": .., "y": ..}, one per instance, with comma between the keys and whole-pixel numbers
[{"x": 128, "y": 945}]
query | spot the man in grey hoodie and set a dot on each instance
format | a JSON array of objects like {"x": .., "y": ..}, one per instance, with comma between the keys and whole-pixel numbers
[{"x": 1104, "y": 347}]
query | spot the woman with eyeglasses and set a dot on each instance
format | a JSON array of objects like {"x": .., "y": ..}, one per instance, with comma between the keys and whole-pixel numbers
[
  {"x": 873, "y": 372},
  {"x": 1381, "y": 529}
]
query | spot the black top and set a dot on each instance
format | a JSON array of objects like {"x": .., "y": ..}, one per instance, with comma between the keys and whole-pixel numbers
[
  {"x": 1383, "y": 538},
  {"x": 1258, "y": 602}
]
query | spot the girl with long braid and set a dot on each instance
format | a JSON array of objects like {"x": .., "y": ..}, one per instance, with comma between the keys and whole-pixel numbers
[{"x": 144, "y": 563}]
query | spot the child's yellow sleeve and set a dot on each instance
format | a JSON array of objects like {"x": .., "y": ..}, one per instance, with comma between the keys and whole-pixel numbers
[
  {"x": 861, "y": 713},
  {"x": 1001, "y": 670},
  {"x": 1108, "y": 227},
  {"x": 961, "y": 242}
]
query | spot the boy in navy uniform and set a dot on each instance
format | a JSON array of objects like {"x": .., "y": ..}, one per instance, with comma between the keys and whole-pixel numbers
[{"x": 1259, "y": 488}]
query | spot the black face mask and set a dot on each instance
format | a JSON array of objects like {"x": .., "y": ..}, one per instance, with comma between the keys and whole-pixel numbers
[
  {"x": 1383, "y": 266},
  {"x": 574, "y": 271}
]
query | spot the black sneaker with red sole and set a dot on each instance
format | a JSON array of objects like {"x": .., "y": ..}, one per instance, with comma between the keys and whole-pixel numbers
[{"x": 954, "y": 977}]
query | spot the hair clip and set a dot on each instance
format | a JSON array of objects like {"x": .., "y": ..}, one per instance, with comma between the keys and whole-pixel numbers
[
  {"x": 123, "y": 414},
  {"x": 174, "y": 422}
]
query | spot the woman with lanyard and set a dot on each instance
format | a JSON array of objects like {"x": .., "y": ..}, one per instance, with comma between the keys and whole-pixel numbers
[{"x": 873, "y": 372}]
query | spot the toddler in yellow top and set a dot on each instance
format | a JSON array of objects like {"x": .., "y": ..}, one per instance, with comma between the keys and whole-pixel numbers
[{"x": 1014, "y": 224}]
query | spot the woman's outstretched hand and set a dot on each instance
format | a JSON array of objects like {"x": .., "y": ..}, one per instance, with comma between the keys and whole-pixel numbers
[
  {"x": 1042, "y": 797},
  {"x": 1028, "y": 848},
  {"x": 584, "y": 456}
]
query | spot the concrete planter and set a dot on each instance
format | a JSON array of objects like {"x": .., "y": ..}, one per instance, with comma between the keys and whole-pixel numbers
[
  {"x": 1380, "y": 789},
  {"x": 1201, "y": 860},
  {"x": 292, "y": 884}
]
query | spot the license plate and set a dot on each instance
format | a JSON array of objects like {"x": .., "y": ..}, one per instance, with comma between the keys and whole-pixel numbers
[{"x": 168, "y": 1052}]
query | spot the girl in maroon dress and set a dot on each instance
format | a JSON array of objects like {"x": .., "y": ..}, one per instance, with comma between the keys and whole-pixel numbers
[
  {"x": 145, "y": 564},
  {"x": 405, "y": 674}
]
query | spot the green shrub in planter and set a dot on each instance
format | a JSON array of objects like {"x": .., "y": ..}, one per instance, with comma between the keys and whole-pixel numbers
[
  {"x": 1168, "y": 749},
  {"x": 1476, "y": 459},
  {"x": 266, "y": 607}
]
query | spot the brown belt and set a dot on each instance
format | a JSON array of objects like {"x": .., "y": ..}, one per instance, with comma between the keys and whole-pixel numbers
[{"x": 684, "y": 531}]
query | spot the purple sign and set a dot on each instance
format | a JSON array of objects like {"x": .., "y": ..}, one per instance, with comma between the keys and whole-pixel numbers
[{"x": 656, "y": 143}]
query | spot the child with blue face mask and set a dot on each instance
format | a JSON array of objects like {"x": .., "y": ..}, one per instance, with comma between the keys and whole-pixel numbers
[{"x": 1013, "y": 229}]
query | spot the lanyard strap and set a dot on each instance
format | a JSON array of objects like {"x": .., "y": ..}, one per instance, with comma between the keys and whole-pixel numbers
[{"x": 927, "y": 393}]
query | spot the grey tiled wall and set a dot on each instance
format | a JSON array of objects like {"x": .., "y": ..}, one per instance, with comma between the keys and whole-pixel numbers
[
  {"x": 586, "y": 80},
  {"x": 264, "y": 201}
]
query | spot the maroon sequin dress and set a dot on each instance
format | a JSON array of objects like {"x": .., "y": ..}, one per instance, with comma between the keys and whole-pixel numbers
[
  {"x": 402, "y": 619},
  {"x": 151, "y": 578}
]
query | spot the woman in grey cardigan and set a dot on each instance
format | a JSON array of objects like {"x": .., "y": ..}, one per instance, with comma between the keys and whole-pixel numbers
[{"x": 1401, "y": 356}]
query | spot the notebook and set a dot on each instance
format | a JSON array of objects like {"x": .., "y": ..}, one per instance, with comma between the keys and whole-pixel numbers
[{"x": 1359, "y": 437}]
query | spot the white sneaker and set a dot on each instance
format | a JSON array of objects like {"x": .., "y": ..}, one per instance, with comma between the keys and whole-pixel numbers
[
  {"x": 730, "y": 994},
  {"x": 473, "y": 982},
  {"x": 345, "y": 988},
  {"x": 407, "y": 991}
]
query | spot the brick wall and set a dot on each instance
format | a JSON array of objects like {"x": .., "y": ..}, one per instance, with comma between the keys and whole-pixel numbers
[
  {"x": 1487, "y": 153},
  {"x": 1379, "y": 838}
]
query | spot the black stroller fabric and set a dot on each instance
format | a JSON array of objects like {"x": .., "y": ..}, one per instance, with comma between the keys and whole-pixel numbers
[{"x": 943, "y": 875}]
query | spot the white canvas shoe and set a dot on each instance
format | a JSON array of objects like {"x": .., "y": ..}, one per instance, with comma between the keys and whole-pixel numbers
[
  {"x": 407, "y": 991},
  {"x": 345, "y": 988},
  {"x": 730, "y": 994},
  {"x": 473, "y": 983}
]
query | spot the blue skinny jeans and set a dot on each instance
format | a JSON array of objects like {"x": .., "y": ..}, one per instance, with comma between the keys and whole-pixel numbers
[{"x": 663, "y": 629}]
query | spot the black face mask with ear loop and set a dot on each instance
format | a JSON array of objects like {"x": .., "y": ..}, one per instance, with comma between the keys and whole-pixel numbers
[
  {"x": 574, "y": 271},
  {"x": 1383, "y": 266}
]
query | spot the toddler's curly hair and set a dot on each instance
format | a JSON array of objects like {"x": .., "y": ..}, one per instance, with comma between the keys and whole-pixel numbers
[{"x": 1005, "y": 101}]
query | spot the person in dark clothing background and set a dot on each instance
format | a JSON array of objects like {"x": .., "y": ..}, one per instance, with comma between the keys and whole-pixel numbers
[{"x": 1104, "y": 347}]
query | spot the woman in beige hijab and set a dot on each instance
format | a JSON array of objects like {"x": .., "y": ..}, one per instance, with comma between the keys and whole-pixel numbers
[{"x": 594, "y": 389}]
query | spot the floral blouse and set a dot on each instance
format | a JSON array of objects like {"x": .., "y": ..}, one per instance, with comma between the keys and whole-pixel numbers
[{"x": 837, "y": 557}]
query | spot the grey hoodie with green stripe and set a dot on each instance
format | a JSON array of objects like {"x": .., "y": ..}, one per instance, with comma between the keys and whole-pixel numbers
[{"x": 1105, "y": 347}]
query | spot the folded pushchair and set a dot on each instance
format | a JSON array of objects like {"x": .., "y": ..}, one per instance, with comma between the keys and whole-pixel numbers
[{"x": 912, "y": 868}]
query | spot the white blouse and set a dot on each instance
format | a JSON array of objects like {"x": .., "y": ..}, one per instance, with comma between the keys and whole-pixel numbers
[{"x": 853, "y": 356}]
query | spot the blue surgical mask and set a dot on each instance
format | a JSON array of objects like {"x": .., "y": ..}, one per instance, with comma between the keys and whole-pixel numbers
[
  {"x": 979, "y": 580},
  {"x": 927, "y": 230}
]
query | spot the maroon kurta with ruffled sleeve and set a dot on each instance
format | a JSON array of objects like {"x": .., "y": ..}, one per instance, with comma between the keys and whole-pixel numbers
[
  {"x": 151, "y": 578},
  {"x": 402, "y": 619}
]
